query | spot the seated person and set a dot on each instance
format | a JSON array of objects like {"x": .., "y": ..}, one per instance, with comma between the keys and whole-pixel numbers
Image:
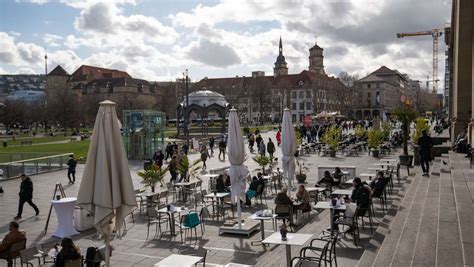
[
  {"x": 227, "y": 181},
  {"x": 282, "y": 198},
  {"x": 68, "y": 252},
  {"x": 303, "y": 196},
  {"x": 361, "y": 195},
  {"x": 12, "y": 237},
  {"x": 337, "y": 176},
  {"x": 348, "y": 215},
  {"x": 220, "y": 185},
  {"x": 252, "y": 191},
  {"x": 327, "y": 179},
  {"x": 378, "y": 184}
]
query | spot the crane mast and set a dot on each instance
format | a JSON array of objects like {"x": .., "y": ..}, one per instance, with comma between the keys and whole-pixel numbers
[{"x": 435, "y": 33}]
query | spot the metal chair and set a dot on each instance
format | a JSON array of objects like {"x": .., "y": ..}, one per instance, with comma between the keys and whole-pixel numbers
[
  {"x": 351, "y": 222},
  {"x": 311, "y": 261},
  {"x": 156, "y": 218},
  {"x": 16, "y": 251},
  {"x": 284, "y": 213},
  {"x": 316, "y": 247}
]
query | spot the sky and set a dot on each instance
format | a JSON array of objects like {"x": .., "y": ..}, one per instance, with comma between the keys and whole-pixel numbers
[{"x": 158, "y": 39}]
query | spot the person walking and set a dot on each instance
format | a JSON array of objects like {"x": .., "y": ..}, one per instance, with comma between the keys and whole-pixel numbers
[
  {"x": 71, "y": 169},
  {"x": 211, "y": 145},
  {"x": 173, "y": 168},
  {"x": 270, "y": 148},
  {"x": 258, "y": 140},
  {"x": 26, "y": 195},
  {"x": 222, "y": 147},
  {"x": 425, "y": 143},
  {"x": 204, "y": 156},
  {"x": 251, "y": 142}
]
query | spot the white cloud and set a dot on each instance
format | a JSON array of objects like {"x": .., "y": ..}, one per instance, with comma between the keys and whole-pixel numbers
[
  {"x": 52, "y": 40},
  {"x": 213, "y": 54}
]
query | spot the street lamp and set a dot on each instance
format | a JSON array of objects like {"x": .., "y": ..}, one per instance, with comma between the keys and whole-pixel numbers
[{"x": 186, "y": 113}]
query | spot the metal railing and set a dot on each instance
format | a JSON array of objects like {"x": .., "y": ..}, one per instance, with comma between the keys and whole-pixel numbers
[{"x": 33, "y": 166}]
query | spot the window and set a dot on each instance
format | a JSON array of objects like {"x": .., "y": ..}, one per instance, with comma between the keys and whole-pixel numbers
[
  {"x": 301, "y": 94},
  {"x": 293, "y": 117},
  {"x": 301, "y": 105},
  {"x": 308, "y": 105},
  {"x": 293, "y": 106},
  {"x": 368, "y": 85},
  {"x": 308, "y": 94},
  {"x": 293, "y": 94}
]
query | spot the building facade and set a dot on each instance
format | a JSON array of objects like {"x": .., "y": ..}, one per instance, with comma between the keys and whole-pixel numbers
[{"x": 461, "y": 72}]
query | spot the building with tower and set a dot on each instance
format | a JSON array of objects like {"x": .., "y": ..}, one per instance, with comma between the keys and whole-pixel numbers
[
  {"x": 261, "y": 98},
  {"x": 281, "y": 67}
]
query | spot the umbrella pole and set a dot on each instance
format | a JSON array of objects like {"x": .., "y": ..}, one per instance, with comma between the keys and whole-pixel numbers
[
  {"x": 107, "y": 252},
  {"x": 239, "y": 213}
]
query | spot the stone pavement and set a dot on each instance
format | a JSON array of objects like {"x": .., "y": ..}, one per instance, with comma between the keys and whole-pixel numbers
[{"x": 134, "y": 250}]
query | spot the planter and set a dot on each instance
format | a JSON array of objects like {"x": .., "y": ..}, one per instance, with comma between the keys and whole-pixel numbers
[
  {"x": 406, "y": 160},
  {"x": 301, "y": 178},
  {"x": 375, "y": 153},
  {"x": 332, "y": 153}
]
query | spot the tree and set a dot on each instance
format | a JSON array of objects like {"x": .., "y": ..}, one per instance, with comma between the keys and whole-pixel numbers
[
  {"x": 348, "y": 79},
  {"x": 11, "y": 112},
  {"x": 64, "y": 108},
  {"x": 406, "y": 116}
]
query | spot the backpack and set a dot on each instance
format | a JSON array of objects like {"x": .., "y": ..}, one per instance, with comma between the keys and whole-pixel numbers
[{"x": 93, "y": 257}]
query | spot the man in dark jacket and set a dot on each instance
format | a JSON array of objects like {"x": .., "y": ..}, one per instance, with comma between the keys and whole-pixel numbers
[
  {"x": 425, "y": 143},
  {"x": 222, "y": 147},
  {"x": 71, "y": 169},
  {"x": 361, "y": 195},
  {"x": 270, "y": 148},
  {"x": 26, "y": 195}
]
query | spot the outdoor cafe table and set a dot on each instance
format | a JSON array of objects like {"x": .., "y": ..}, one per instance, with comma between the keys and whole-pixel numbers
[
  {"x": 182, "y": 185},
  {"x": 178, "y": 260},
  {"x": 293, "y": 239},
  {"x": 369, "y": 175},
  {"x": 312, "y": 189},
  {"x": 350, "y": 181},
  {"x": 388, "y": 160},
  {"x": 259, "y": 217},
  {"x": 342, "y": 192},
  {"x": 64, "y": 208},
  {"x": 142, "y": 196},
  {"x": 382, "y": 165},
  {"x": 327, "y": 205},
  {"x": 171, "y": 213},
  {"x": 216, "y": 198}
]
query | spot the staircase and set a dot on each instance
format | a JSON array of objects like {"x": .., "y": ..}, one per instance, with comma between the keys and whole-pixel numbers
[{"x": 432, "y": 225}]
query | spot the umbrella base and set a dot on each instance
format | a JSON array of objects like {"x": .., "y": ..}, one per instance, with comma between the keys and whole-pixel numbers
[{"x": 247, "y": 228}]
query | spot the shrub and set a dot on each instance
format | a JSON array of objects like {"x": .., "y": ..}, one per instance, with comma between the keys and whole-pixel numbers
[{"x": 332, "y": 137}]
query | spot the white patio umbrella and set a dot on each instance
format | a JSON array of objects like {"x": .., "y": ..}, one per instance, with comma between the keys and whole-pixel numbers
[
  {"x": 288, "y": 147},
  {"x": 106, "y": 188},
  {"x": 237, "y": 171}
]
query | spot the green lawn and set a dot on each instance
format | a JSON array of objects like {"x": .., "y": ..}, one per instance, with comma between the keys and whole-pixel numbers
[{"x": 79, "y": 149}]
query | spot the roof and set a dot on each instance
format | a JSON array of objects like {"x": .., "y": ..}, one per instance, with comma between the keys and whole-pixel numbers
[
  {"x": 113, "y": 82},
  {"x": 315, "y": 46},
  {"x": 385, "y": 71},
  {"x": 205, "y": 98},
  {"x": 58, "y": 71},
  {"x": 87, "y": 73}
]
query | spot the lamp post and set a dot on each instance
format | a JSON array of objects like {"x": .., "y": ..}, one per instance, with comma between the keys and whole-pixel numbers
[{"x": 186, "y": 113}]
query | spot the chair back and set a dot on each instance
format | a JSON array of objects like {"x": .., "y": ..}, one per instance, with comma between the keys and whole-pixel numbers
[
  {"x": 283, "y": 209},
  {"x": 192, "y": 220},
  {"x": 151, "y": 213},
  {"x": 18, "y": 246},
  {"x": 73, "y": 263}
]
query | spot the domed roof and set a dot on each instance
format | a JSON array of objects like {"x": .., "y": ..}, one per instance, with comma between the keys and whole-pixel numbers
[{"x": 205, "y": 98}]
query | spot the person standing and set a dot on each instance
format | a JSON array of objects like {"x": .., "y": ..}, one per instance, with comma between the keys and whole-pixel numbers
[
  {"x": 270, "y": 148},
  {"x": 26, "y": 195},
  {"x": 71, "y": 169},
  {"x": 425, "y": 143},
  {"x": 222, "y": 147},
  {"x": 261, "y": 148},
  {"x": 11, "y": 238},
  {"x": 258, "y": 140},
  {"x": 251, "y": 142},
  {"x": 173, "y": 168},
  {"x": 211, "y": 145}
]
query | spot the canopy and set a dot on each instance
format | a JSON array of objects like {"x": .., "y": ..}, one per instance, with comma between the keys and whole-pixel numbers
[
  {"x": 288, "y": 146},
  {"x": 237, "y": 171},
  {"x": 106, "y": 188}
]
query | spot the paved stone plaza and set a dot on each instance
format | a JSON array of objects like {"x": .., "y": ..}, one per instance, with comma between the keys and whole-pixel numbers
[{"x": 134, "y": 250}]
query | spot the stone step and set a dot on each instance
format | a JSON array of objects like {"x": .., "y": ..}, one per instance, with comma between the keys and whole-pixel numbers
[
  {"x": 375, "y": 242},
  {"x": 463, "y": 189},
  {"x": 449, "y": 252},
  {"x": 387, "y": 249},
  {"x": 405, "y": 247}
]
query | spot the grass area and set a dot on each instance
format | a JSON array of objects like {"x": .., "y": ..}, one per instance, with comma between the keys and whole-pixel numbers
[
  {"x": 79, "y": 149},
  {"x": 36, "y": 140}
]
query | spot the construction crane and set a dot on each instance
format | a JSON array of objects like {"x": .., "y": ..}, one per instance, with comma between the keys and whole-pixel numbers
[{"x": 435, "y": 33}]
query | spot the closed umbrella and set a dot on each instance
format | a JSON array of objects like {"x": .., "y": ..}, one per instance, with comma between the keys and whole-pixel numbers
[
  {"x": 106, "y": 188},
  {"x": 237, "y": 171},
  {"x": 288, "y": 146}
]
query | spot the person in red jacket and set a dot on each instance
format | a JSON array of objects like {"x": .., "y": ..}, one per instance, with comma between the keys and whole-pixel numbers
[
  {"x": 278, "y": 137},
  {"x": 11, "y": 238}
]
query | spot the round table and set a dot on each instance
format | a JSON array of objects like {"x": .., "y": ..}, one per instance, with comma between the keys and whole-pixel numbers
[{"x": 64, "y": 211}]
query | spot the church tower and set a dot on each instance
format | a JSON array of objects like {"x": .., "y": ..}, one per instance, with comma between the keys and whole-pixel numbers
[
  {"x": 316, "y": 59},
  {"x": 281, "y": 67}
]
